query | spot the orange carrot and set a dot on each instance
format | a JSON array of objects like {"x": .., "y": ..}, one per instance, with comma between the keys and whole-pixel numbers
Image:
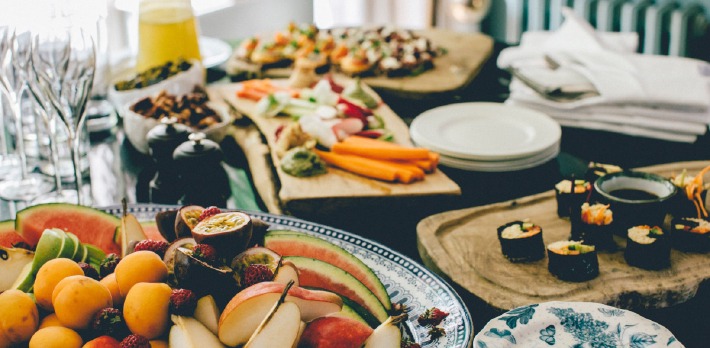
[
  {"x": 425, "y": 165},
  {"x": 386, "y": 152},
  {"x": 381, "y": 170},
  {"x": 417, "y": 173},
  {"x": 251, "y": 94}
]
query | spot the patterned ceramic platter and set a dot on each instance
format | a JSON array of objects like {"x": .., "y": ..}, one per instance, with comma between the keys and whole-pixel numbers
[
  {"x": 573, "y": 324},
  {"x": 407, "y": 282}
]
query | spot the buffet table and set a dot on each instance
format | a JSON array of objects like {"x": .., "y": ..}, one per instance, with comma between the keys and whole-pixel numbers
[{"x": 118, "y": 170}]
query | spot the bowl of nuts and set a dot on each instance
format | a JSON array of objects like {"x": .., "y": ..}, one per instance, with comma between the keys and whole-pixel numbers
[{"x": 193, "y": 109}]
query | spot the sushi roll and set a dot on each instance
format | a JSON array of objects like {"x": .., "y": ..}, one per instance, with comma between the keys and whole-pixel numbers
[
  {"x": 596, "y": 170},
  {"x": 570, "y": 195},
  {"x": 521, "y": 241},
  {"x": 692, "y": 193},
  {"x": 647, "y": 247},
  {"x": 691, "y": 234},
  {"x": 572, "y": 261},
  {"x": 595, "y": 226}
]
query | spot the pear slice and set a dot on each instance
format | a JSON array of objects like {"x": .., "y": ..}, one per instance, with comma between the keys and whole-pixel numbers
[
  {"x": 207, "y": 313},
  {"x": 12, "y": 262},
  {"x": 189, "y": 332},
  {"x": 286, "y": 272},
  {"x": 387, "y": 334},
  {"x": 131, "y": 229},
  {"x": 280, "y": 328}
]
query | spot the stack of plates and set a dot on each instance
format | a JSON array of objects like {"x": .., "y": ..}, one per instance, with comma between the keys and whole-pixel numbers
[{"x": 489, "y": 137}]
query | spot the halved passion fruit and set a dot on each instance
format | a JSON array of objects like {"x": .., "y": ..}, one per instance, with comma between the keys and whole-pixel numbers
[
  {"x": 254, "y": 255},
  {"x": 229, "y": 233},
  {"x": 186, "y": 219}
]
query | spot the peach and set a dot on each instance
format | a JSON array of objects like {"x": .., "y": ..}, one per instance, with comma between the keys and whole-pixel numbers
[
  {"x": 50, "y": 320},
  {"x": 158, "y": 344},
  {"x": 19, "y": 317},
  {"x": 49, "y": 275},
  {"x": 146, "y": 309},
  {"x": 76, "y": 300},
  {"x": 140, "y": 267},
  {"x": 103, "y": 342},
  {"x": 56, "y": 337},
  {"x": 333, "y": 331},
  {"x": 110, "y": 283}
]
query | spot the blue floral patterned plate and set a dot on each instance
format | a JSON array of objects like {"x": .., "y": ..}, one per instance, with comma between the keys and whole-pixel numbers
[
  {"x": 406, "y": 281},
  {"x": 573, "y": 324}
]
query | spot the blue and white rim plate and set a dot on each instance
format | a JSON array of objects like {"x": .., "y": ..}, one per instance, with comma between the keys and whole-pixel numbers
[
  {"x": 573, "y": 324},
  {"x": 406, "y": 281}
]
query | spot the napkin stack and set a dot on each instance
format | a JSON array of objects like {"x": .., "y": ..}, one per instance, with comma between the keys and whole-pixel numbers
[{"x": 588, "y": 79}]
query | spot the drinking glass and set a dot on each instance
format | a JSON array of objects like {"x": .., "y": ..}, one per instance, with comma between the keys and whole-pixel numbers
[
  {"x": 13, "y": 80},
  {"x": 9, "y": 162},
  {"x": 166, "y": 31}
]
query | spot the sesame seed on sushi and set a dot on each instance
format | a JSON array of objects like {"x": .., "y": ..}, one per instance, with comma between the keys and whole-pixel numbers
[
  {"x": 570, "y": 195},
  {"x": 595, "y": 226},
  {"x": 648, "y": 248},
  {"x": 690, "y": 235},
  {"x": 521, "y": 241},
  {"x": 572, "y": 261}
]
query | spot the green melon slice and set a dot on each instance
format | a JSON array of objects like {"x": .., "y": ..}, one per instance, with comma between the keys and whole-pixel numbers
[
  {"x": 8, "y": 236},
  {"x": 318, "y": 274},
  {"x": 292, "y": 243},
  {"x": 90, "y": 225}
]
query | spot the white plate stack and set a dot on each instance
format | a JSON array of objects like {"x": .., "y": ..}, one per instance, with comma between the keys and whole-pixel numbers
[{"x": 488, "y": 137}]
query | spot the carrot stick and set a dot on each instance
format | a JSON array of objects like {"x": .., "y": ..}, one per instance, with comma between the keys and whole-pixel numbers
[
  {"x": 425, "y": 165},
  {"x": 417, "y": 173},
  {"x": 367, "y": 167},
  {"x": 384, "y": 152},
  {"x": 251, "y": 94}
]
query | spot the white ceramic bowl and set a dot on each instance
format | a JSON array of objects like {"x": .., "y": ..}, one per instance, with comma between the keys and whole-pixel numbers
[
  {"x": 137, "y": 126},
  {"x": 178, "y": 84}
]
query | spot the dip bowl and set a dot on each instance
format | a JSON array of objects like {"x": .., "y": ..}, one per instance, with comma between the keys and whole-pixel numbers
[{"x": 636, "y": 198}]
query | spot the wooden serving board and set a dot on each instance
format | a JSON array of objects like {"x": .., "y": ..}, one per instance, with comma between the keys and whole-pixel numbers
[
  {"x": 466, "y": 54},
  {"x": 336, "y": 183},
  {"x": 463, "y": 246}
]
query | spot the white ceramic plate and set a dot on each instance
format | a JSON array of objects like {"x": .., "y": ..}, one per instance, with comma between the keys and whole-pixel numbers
[
  {"x": 214, "y": 51},
  {"x": 485, "y": 131},
  {"x": 573, "y": 324},
  {"x": 502, "y": 166},
  {"x": 406, "y": 281}
]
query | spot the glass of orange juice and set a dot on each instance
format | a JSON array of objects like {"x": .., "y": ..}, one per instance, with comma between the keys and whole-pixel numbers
[{"x": 167, "y": 30}]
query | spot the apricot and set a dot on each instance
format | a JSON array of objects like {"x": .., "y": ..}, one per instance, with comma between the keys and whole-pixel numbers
[
  {"x": 19, "y": 317},
  {"x": 50, "y": 320},
  {"x": 77, "y": 298},
  {"x": 146, "y": 309},
  {"x": 158, "y": 344},
  {"x": 49, "y": 275},
  {"x": 110, "y": 282},
  {"x": 139, "y": 267},
  {"x": 103, "y": 342},
  {"x": 56, "y": 337}
]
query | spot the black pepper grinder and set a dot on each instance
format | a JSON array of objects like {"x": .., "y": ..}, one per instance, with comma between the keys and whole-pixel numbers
[
  {"x": 163, "y": 139},
  {"x": 203, "y": 178}
]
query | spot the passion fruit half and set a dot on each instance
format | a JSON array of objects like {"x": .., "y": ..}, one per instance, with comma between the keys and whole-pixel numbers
[
  {"x": 229, "y": 232},
  {"x": 186, "y": 219},
  {"x": 203, "y": 278},
  {"x": 254, "y": 255}
]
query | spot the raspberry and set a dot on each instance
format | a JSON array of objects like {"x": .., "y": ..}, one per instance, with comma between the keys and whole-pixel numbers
[
  {"x": 205, "y": 252},
  {"x": 89, "y": 271},
  {"x": 183, "y": 302},
  {"x": 135, "y": 341},
  {"x": 209, "y": 211},
  {"x": 256, "y": 273},
  {"x": 157, "y": 246},
  {"x": 109, "y": 321},
  {"x": 108, "y": 264},
  {"x": 432, "y": 317}
]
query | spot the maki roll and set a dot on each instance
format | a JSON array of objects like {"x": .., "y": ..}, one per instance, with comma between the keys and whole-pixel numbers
[
  {"x": 572, "y": 261},
  {"x": 691, "y": 234},
  {"x": 647, "y": 247},
  {"x": 595, "y": 226},
  {"x": 570, "y": 195},
  {"x": 692, "y": 191},
  {"x": 521, "y": 241}
]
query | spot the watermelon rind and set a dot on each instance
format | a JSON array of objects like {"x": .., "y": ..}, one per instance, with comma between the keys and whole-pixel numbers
[
  {"x": 353, "y": 310},
  {"x": 293, "y": 243}
]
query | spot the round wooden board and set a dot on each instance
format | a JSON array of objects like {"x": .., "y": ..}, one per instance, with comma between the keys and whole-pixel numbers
[{"x": 462, "y": 245}]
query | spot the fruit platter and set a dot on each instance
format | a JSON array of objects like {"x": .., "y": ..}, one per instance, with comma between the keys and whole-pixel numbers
[{"x": 162, "y": 276}]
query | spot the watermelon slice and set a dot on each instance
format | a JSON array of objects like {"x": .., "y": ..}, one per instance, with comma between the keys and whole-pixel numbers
[
  {"x": 91, "y": 226},
  {"x": 150, "y": 228},
  {"x": 8, "y": 236}
]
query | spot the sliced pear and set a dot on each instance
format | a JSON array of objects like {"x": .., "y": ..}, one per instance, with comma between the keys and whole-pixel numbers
[
  {"x": 189, "y": 332},
  {"x": 286, "y": 272},
  {"x": 386, "y": 335},
  {"x": 131, "y": 230},
  {"x": 12, "y": 262},
  {"x": 280, "y": 327},
  {"x": 207, "y": 313}
]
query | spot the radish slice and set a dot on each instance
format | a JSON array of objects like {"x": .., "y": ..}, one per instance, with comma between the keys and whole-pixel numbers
[{"x": 347, "y": 127}]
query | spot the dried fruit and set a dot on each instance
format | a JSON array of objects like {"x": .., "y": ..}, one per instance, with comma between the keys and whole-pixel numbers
[
  {"x": 205, "y": 252},
  {"x": 135, "y": 341},
  {"x": 109, "y": 321},
  {"x": 109, "y": 264},
  {"x": 406, "y": 343},
  {"x": 209, "y": 211},
  {"x": 183, "y": 302},
  {"x": 256, "y": 273},
  {"x": 89, "y": 270},
  {"x": 436, "y": 332},
  {"x": 157, "y": 246},
  {"x": 432, "y": 317}
]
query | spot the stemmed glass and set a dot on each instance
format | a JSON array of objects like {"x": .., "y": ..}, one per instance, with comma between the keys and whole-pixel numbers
[
  {"x": 69, "y": 100},
  {"x": 9, "y": 162},
  {"x": 14, "y": 83}
]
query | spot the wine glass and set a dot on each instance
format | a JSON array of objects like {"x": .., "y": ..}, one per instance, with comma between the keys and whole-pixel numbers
[
  {"x": 13, "y": 81},
  {"x": 9, "y": 162}
]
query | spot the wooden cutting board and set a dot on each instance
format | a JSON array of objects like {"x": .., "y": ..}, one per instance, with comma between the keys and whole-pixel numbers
[
  {"x": 466, "y": 54},
  {"x": 463, "y": 246},
  {"x": 336, "y": 183}
]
